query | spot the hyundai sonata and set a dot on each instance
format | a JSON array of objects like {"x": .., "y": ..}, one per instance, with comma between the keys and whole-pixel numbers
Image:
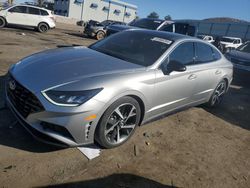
[{"x": 78, "y": 95}]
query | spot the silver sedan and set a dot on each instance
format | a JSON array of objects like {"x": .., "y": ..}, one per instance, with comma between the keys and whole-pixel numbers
[{"x": 78, "y": 95}]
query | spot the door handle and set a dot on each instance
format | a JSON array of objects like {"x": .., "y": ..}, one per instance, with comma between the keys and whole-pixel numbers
[
  {"x": 192, "y": 77},
  {"x": 217, "y": 72}
]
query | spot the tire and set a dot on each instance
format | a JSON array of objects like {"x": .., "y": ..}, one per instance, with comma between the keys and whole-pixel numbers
[
  {"x": 2, "y": 22},
  {"x": 43, "y": 27},
  {"x": 118, "y": 122},
  {"x": 218, "y": 94},
  {"x": 100, "y": 35}
]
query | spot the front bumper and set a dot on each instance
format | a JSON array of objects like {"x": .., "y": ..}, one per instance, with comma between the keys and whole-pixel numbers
[{"x": 55, "y": 126}]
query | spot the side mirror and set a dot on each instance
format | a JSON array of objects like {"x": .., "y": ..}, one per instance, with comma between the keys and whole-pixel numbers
[{"x": 173, "y": 66}]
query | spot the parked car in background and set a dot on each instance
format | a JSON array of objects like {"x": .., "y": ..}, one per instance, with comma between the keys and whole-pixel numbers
[
  {"x": 29, "y": 16},
  {"x": 98, "y": 29},
  {"x": 207, "y": 38},
  {"x": 105, "y": 91},
  {"x": 229, "y": 43},
  {"x": 240, "y": 57},
  {"x": 156, "y": 24},
  {"x": 179, "y": 27},
  {"x": 145, "y": 23}
]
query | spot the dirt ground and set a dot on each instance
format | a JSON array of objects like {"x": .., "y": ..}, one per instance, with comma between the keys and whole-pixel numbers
[{"x": 193, "y": 148}]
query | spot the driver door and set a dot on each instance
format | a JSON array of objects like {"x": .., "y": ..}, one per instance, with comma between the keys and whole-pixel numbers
[
  {"x": 17, "y": 15},
  {"x": 175, "y": 90}
]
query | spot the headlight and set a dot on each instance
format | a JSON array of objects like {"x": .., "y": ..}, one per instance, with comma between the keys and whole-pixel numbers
[{"x": 70, "y": 98}]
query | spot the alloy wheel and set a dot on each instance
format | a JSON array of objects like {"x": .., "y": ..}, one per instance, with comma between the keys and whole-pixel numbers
[
  {"x": 218, "y": 94},
  {"x": 121, "y": 123}
]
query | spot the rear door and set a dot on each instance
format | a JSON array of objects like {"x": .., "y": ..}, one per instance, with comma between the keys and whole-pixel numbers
[
  {"x": 206, "y": 69},
  {"x": 17, "y": 15},
  {"x": 34, "y": 17}
]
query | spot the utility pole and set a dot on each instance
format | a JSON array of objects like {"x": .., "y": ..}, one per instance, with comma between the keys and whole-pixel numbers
[
  {"x": 82, "y": 10},
  {"x": 125, "y": 8},
  {"x": 10, "y": 2},
  {"x": 108, "y": 11}
]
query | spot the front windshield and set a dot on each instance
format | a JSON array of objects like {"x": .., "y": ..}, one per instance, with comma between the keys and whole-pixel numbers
[
  {"x": 227, "y": 40},
  {"x": 146, "y": 23},
  {"x": 244, "y": 47},
  {"x": 138, "y": 47}
]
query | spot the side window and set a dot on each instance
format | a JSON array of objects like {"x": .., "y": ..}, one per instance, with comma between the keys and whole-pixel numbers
[
  {"x": 204, "y": 53},
  {"x": 181, "y": 28},
  {"x": 18, "y": 9},
  {"x": 216, "y": 54},
  {"x": 34, "y": 11},
  {"x": 167, "y": 27},
  {"x": 44, "y": 13},
  {"x": 184, "y": 54}
]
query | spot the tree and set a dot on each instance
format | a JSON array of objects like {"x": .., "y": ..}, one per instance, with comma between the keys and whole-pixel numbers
[
  {"x": 10, "y": 2},
  {"x": 168, "y": 17},
  {"x": 40, "y": 2},
  {"x": 153, "y": 15}
]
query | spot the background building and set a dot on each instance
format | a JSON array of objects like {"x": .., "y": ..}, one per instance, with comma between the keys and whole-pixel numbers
[
  {"x": 98, "y": 10},
  {"x": 223, "y": 28}
]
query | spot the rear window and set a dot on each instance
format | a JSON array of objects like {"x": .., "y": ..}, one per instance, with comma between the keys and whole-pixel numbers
[
  {"x": 216, "y": 54},
  {"x": 138, "y": 47},
  {"x": 44, "y": 13},
  {"x": 204, "y": 53},
  {"x": 227, "y": 40}
]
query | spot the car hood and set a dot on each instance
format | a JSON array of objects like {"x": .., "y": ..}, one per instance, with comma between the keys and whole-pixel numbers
[
  {"x": 52, "y": 68},
  {"x": 120, "y": 27},
  {"x": 239, "y": 54},
  {"x": 2, "y": 12}
]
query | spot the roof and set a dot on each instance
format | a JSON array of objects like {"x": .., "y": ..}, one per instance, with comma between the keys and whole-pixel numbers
[
  {"x": 231, "y": 37},
  {"x": 33, "y": 6}
]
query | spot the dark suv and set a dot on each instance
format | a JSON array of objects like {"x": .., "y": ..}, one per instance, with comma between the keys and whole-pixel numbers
[
  {"x": 98, "y": 29},
  {"x": 156, "y": 24},
  {"x": 146, "y": 23}
]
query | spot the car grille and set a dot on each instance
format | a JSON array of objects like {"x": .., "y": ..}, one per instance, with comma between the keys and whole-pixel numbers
[
  {"x": 240, "y": 62},
  {"x": 23, "y": 100}
]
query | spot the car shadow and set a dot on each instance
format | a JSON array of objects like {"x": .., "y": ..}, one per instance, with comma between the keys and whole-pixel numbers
[
  {"x": 79, "y": 34},
  {"x": 12, "y": 134},
  {"x": 115, "y": 181},
  {"x": 235, "y": 107},
  {"x": 21, "y": 29}
]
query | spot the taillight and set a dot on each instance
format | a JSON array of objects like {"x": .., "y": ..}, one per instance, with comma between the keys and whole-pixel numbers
[{"x": 53, "y": 18}]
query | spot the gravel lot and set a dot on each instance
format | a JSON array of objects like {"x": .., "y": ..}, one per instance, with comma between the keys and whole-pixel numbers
[{"x": 196, "y": 147}]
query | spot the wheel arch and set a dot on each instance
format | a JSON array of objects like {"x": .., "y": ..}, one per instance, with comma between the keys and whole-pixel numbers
[
  {"x": 142, "y": 106},
  {"x": 139, "y": 97},
  {"x": 4, "y": 19},
  {"x": 42, "y": 22}
]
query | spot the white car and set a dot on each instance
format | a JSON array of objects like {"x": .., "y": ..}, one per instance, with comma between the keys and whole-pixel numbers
[
  {"x": 206, "y": 38},
  {"x": 230, "y": 42},
  {"x": 27, "y": 15}
]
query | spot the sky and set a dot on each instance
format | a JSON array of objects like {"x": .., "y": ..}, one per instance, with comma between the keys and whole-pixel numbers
[{"x": 194, "y": 9}]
